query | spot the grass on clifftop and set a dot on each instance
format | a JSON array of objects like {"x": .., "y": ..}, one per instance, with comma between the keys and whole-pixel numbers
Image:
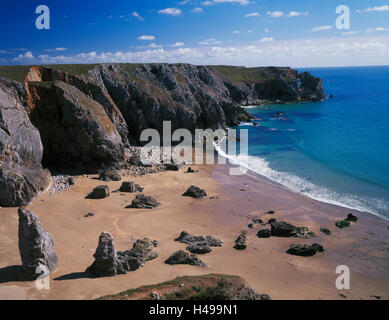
[{"x": 230, "y": 73}]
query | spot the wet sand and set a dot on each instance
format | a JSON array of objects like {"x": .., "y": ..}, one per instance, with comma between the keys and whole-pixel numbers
[{"x": 265, "y": 265}]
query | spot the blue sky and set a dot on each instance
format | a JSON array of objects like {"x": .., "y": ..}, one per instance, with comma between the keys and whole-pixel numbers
[{"x": 235, "y": 32}]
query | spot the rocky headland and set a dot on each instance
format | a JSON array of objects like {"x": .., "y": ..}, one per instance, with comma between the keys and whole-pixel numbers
[{"x": 86, "y": 118}]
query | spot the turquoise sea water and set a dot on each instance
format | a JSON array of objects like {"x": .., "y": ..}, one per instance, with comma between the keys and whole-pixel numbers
[{"x": 336, "y": 151}]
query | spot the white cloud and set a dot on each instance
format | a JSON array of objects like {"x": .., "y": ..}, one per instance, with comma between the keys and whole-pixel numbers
[
  {"x": 138, "y": 16},
  {"x": 253, "y": 14},
  {"x": 321, "y": 28},
  {"x": 266, "y": 30},
  {"x": 346, "y": 33},
  {"x": 210, "y": 42},
  {"x": 197, "y": 10},
  {"x": 376, "y": 8},
  {"x": 240, "y": 2},
  {"x": 275, "y": 14},
  {"x": 146, "y": 38},
  {"x": 178, "y": 44},
  {"x": 171, "y": 11},
  {"x": 27, "y": 56},
  {"x": 378, "y": 29},
  {"x": 267, "y": 39},
  {"x": 236, "y": 32},
  {"x": 56, "y": 49},
  {"x": 339, "y": 51},
  {"x": 293, "y": 14}
]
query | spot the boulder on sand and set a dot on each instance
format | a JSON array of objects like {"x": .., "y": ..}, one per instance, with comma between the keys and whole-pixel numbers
[
  {"x": 351, "y": 217},
  {"x": 100, "y": 192},
  {"x": 240, "y": 242},
  {"x": 265, "y": 233},
  {"x": 284, "y": 229},
  {"x": 182, "y": 257},
  {"x": 110, "y": 175},
  {"x": 130, "y": 186},
  {"x": 305, "y": 250},
  {"x": 36, "y": 246},
  {"x": 195, "y": 192},
  {"x": 109, "y": 263},
  {"x": 199, "y": 248},
  {"x": 142, "y": 201},
  {"x": 187, "y": 238}
]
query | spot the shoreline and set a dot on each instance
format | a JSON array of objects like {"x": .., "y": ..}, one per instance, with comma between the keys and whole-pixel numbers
[{"x": 264, "y": 265}]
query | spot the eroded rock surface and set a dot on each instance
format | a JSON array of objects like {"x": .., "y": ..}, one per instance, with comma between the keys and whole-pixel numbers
[
  {"x": 36, "y": 246},
  {"x": 182, "y": 257},
  {"x": 142, "y": 201}
]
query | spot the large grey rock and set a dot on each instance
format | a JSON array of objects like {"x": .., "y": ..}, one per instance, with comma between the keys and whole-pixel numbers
[
  {"x": 195, "y": 192},
  {"x": 187, "y": 238},
  {"x": 182, "y": 257},
  {"x": 108, "y": 262},
  {"x": 75, "y": 129},
  {"x": 21, "y": 175},
  {"x": 36, "y": 246},
  {"x": 100, "y": 192},
  {"x": 142, "y": 201},
  {"x": 130, "y": 186}
]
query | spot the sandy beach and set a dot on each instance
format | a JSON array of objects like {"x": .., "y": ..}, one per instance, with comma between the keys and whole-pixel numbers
[{"x": 265, "y": 265}]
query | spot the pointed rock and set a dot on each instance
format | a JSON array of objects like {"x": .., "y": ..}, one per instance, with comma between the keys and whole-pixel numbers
[{"x": 36, "y": 246}]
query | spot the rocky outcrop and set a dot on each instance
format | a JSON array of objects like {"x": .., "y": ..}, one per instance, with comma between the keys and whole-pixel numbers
[
  {"x": 305, "y": 250},
  {"x": 110, "y": 175},
  {"x": 21, "y": 174},
  {"x": 284, "y": 229},
  {"x": 205, "y": 287},
  {"x": 109, "y": 263},
  {"x": 130, "y": 186},
  {"x": 142, "y": 201},
  {"x": 182, "y": 257},
  {"x": 36, "y": 246},
  {"x": 195, "y": 192},
  {"x": 100, "y": 192},
  {"x": 76, "y": 131},
  {"x": 187, "y": 238},
  {"x": 241, "y": 242}
]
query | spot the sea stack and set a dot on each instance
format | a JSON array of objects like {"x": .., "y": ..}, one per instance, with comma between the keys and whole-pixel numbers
[{"x": 36, "y": 246}]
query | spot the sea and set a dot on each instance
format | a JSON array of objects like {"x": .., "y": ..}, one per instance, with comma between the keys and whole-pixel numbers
[{"x": 335, "y": 151}]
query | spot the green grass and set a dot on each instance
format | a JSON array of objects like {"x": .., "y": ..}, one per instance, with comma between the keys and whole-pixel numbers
[{"x": 243, "y": 74}]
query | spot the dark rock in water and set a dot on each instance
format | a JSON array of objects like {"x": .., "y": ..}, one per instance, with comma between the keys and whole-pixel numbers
[
  {"x": 195, "y": 192},
  {"x": 89, "y": 214},
  {"x": 110, "y": 175},
  {"x": 109, "y": 263},
  {"x": 185, "y": 237},
  {"x": 72, "y": 181},
  {"x": 331, "y": 95},
  {"x": 284, "y": 229},
  {"x": 100, "y": 192},
  {"x": 342, "y": 224},
  {"x": 36, "y": 246},
  {"x": 264, "y": 233},
  {"x": 190, "y": 170},
  {"x": 351, "y": 217},
  {"x": 305, "y": 250},
  {"x": 271, "y": 212},
  {"x": 199, "y": 248},
  {"x": 130, "y": 186},
  {"x": 240, "y": 242},
  {"x": 272, "y": 220},
  {"x": 326, "y": 231},
  {"x": 142, "y": 201},
  {"x": 250, "y": 225},
  {"x": 182, "y": 257}
]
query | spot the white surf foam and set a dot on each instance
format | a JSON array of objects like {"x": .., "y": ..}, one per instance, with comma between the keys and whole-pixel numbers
[{"x": 302, "y": 186}]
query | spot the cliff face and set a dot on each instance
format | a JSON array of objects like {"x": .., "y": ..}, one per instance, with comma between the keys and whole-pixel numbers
[{"x": 87, "y": 118}]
